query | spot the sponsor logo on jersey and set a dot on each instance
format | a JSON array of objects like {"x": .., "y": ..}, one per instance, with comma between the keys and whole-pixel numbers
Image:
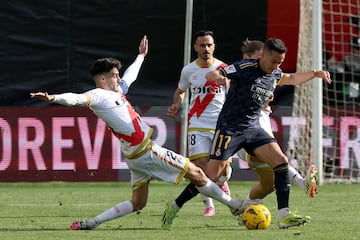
[
  {"x": 206, "y": 90},
  {"x": 259, "y": 93}
]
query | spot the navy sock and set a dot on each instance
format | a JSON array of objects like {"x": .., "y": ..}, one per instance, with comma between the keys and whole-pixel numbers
[
  {"x": 187, "y": 194},
  {"x": 282, "y": 185}
]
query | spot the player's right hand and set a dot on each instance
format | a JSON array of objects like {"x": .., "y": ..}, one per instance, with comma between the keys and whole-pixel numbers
[
  {"x": 173, "y": 110},
  {"x": 44, "y": 96}
]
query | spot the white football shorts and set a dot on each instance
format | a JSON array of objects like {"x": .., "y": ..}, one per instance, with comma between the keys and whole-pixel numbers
[
  {"x": 157, "y": 163},
  {"x": 199, "y": 144},
  {"x": 265, "y": 123}
]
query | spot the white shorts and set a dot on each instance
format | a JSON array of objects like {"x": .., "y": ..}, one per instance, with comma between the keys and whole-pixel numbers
[
  {"x": 157, "y": 163},
  {"x": 199, "y": 144},
  {"x": 265, "y": 122}
]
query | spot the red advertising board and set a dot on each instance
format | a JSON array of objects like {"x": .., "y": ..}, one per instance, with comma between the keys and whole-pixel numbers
[{"x": 72, "y": 144}]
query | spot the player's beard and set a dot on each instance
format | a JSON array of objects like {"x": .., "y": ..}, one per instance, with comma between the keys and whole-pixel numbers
[{"x": 206, "y": 56}]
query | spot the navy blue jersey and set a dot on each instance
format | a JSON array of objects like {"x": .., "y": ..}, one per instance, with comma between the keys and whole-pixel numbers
[{"x": 250, "y": 87}]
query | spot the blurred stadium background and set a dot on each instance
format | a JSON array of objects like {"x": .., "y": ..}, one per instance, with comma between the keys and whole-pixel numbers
[{"x": 49, "y": 45}]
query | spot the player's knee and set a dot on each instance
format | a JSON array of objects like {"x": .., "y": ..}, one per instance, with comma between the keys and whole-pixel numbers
[
  {"x": 284, "y": 159},
  {"x": 268, "y": 189}
]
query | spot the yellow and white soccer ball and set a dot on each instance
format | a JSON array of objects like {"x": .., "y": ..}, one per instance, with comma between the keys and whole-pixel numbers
[{"x": 256, "y": 216}]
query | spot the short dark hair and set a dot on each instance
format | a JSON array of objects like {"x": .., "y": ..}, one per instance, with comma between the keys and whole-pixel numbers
[
  {"x": 249, "y": 47},
  {"x": 275, "y": 44},
  {"x": 104, "y": 65},
  {"x": 203, "y": 33}
]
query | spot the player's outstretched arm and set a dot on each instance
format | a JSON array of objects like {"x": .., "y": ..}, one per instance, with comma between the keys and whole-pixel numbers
[
  {"x": 67, "y": 99},
  {"x": 300, "y": 78},
  {"x": 131, "y": 73}
]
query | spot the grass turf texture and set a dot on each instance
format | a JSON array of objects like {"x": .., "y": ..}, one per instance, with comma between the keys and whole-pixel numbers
[{"x": 46, "y": 210}]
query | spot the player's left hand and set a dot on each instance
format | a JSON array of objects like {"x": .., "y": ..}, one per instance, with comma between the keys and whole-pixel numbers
[{"x": 323, "y": 74}]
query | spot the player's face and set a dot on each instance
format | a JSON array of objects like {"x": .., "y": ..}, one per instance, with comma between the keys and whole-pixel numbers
[
  {"x": 271, "y": 60},
  {"x": 112, "y": 80},
  {"x": 205, "y": 47}
]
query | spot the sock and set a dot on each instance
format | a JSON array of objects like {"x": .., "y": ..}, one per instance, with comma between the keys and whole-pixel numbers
[
  {"x": 249, "y": 201},
  {"x": 283, "y": 212},
  {"x": 118, "y": 210},
  {"x": 212, "y": 190},
  {"x": 208, "y": 202},
  {"x": 295, "y": 177},
  {"x": 282, "y": 185},
  {"x": 187, "y": 194},
  {"x": 226, "y": 178}
]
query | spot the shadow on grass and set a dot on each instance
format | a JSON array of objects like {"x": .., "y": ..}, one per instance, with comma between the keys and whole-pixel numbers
[
  {"x": 68, "y": 229},
  {"x": 33, "y": 216},
  {"x": 37, "y": 229}
]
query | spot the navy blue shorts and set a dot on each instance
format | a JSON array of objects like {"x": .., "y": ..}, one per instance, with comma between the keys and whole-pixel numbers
[{"x": 227, "y": 142}]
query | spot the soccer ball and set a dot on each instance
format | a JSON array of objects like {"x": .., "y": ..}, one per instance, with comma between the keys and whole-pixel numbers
[{"x": 256, "y": 216}]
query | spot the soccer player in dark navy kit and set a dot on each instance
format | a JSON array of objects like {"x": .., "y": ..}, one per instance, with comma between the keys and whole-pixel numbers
[{"x": 253, "y": 81}]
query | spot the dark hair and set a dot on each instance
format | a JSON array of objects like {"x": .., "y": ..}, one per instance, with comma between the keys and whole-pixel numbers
[
  {"x": 275, "y": 44},
  {"x": 104, "y": 65},
  {"x": 203, "y": 33},
  {"x": 249, "y": 47}
]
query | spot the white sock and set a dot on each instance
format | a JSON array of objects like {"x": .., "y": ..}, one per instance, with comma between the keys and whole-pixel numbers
[
  {"x": 250, "y": 201},
  {"x": 295, "y": 177},
  {"x": 117, "y": 211},
  {"x": 208, "y": 202},
  {"x": 283, "y": 212},
  {"x": 212, "y": 190},
  {"x": 175, "y": 205},
  {"x": 226, "y": 178}
]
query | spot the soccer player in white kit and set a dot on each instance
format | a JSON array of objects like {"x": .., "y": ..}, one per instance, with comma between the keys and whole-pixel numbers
[
  {"x": 145, "y": 159},
  {"x": 206, "y": 101}
]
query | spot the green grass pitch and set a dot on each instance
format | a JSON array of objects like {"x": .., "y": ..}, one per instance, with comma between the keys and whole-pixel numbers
[{"x": 46, "y": 210}]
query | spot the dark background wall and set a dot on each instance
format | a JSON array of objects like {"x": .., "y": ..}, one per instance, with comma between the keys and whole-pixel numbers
[{"x": 48, "y": 45}]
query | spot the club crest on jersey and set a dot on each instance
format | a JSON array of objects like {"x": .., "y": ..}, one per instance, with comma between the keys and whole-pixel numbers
[
  {"x": 218, "y": 152},
  {"x": 258, "y": 80},
  {"x": 120, "y": 101}
]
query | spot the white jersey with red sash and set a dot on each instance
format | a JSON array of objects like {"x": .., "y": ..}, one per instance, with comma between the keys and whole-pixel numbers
[
  {"x": 206, "y": 99},
  {"x": 120, "y": 116}
]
